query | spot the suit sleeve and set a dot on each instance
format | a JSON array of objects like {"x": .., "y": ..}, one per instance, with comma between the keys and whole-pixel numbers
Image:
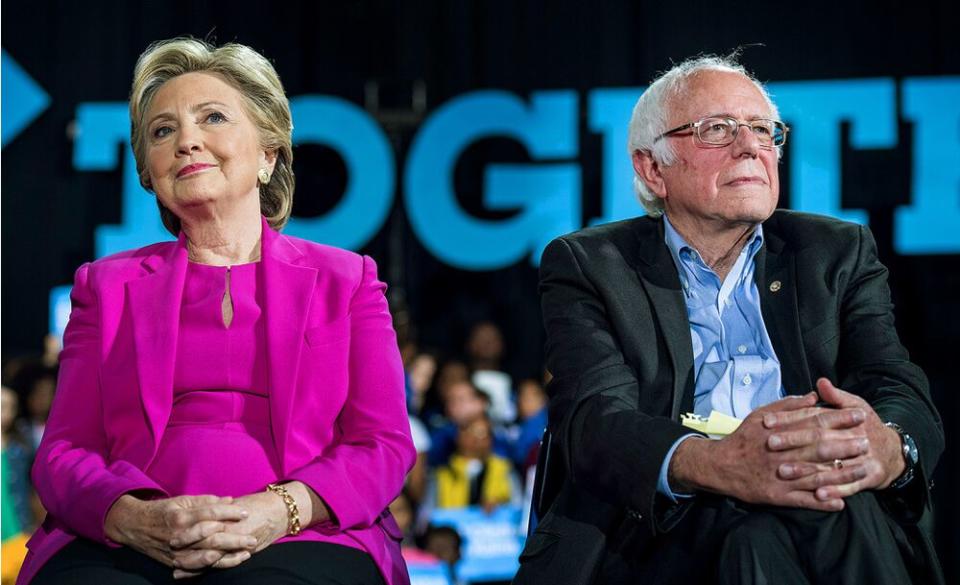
[
  {"x": 873, "y": 364},
  {"x": 364, "y": 470},
  {"x": 72, "y": 473},
  {"x": 609, "y": 446}
]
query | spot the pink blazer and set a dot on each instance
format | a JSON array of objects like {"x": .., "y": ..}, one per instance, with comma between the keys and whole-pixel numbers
[{"x": 336, "y": 390}]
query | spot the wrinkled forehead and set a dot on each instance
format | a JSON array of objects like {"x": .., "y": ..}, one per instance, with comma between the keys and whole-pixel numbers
[
  {"x": 190, "y": 90},
  {"x": 709, "y": 93}
]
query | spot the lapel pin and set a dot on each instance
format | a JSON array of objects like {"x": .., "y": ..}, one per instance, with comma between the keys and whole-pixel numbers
[{"x": 775, "y": 286}]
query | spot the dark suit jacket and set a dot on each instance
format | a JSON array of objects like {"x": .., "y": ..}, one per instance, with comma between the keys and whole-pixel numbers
[{"x": 619, "y": 347}]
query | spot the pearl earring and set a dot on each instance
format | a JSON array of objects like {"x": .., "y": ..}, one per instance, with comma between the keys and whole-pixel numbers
[{"x": 264, "y": 176}]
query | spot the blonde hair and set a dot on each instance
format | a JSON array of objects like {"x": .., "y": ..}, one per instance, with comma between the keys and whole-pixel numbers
[{"x": 265, "y": 102}]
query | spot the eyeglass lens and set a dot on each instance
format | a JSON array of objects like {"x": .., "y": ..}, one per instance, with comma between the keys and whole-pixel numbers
[{"x": 724, "y": 131}]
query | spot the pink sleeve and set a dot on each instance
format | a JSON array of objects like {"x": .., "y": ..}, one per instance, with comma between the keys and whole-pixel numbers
[
  {"x": 73, "y": 474},
  {"x": 361, "y": 474}
]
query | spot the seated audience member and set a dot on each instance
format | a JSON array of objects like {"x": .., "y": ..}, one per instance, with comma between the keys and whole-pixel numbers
[
  {"x": 532, "y": 420},
  {"x": 421, "y": 372},
  {"x": 485, "y": 350},
  {"x": 404, "y": 511},
  {"x": 444, "y": 543},
  {"x": 13, "y": 541},
  {"x": 465, "y": 402},
  {"x": 19, "y": 457},
  {"x": 474, "y": 475},
  {"x": 433, "y": 413},
  {"x": 462, "y": 402},
  {"x": 416, "y": 482},
  {"x": 40, "y": 383}
]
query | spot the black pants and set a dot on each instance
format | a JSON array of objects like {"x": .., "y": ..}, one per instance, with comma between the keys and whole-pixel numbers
[
  {"x": 727, "y": 542},
  {"x": 83, "y": 562}
]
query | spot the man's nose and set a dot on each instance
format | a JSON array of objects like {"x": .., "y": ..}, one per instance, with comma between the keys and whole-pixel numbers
[{"x": 746, "y": 143}]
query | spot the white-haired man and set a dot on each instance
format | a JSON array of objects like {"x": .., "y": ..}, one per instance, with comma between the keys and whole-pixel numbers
[{"x": 717, "y": 301}]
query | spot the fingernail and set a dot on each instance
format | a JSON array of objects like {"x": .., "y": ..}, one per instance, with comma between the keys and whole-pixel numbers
[
  {"x": 251, "y": 542},
  {"x": 822, "y": 494},
  {"x": 786, "y": 470},
  {"x": 859, "y": 416},
  {"x": 769, "y": 420},
  {"x": 864, "y": 445},
  {"x": 244, "y": 513},
  {"x": 775, "y": 441}
]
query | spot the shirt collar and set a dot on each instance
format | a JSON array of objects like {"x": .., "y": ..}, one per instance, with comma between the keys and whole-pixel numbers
[{"x": 682, "y": 251}]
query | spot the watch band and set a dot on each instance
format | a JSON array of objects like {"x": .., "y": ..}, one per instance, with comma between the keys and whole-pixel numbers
[{"x": 910, "y": 457}]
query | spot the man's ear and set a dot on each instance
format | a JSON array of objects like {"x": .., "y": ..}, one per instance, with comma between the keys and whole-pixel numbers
[{"x": 649, "y": 172}]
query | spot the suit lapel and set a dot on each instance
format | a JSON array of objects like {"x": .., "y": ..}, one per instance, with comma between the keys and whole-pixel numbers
[
  {"x": 155, "y": 309},
  {"x": 662, "y": 282},
  {"x": 775, "y": 276},
  {"x": 288, "y": 290}
]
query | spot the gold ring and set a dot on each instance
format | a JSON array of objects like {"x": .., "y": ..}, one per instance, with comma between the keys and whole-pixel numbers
[{"x": 838, "y": 463}]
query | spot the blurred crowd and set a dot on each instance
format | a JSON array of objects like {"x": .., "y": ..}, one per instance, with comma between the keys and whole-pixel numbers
[
  {"x": 476, "y": 430},
  {"x": 29, "y": 384}
]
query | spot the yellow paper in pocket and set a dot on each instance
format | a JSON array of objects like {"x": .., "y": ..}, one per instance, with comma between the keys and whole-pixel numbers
[{"x": 717, "y": 425}]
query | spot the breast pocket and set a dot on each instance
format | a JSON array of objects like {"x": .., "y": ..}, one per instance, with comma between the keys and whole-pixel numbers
[
  {"x": 325, "y": 363},
  {"x": 821, "y": 334},
  {"x": 329, "y": 333}
]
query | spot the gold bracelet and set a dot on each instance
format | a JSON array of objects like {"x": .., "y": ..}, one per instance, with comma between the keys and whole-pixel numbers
[{"x": 293, "y": 512}]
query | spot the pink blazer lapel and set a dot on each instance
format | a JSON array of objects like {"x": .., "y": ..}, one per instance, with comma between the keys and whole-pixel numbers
[
  {"x": 155, "y": 307},
  {"x": 288, "y": 291}
]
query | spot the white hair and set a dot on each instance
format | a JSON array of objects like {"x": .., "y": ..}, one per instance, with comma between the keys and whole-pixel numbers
[{"x": 650, "y": 116}]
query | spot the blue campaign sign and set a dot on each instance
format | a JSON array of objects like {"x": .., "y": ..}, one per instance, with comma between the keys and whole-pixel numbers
[
  {"x": 59, "y": 310},
  {"x": 491, "y": 542},
  {"x": 22, "y": 99},
  {"x": 429, "y": 574},
  {"x": 546, "y": 194},
  {"x": 350, "y": 131},
  {"x": 931, "y": 225}
]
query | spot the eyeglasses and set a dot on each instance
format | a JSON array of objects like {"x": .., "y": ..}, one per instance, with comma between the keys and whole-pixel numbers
[{"x": 722, "y": 130}]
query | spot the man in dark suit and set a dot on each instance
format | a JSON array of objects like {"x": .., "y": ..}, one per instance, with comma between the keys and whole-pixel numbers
[{"x": 715, "y": 301}]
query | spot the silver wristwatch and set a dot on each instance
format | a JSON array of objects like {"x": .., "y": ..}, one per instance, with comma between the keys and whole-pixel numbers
[{"x": 910, "y": 457}]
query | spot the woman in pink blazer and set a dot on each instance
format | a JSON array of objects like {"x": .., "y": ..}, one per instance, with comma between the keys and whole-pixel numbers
[{"x": 230, "y": 405}]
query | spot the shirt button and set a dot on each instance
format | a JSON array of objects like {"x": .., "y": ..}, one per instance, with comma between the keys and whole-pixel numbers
[
  {"x": 742, "y": 348},
  {"x": 747, "y": 380}
]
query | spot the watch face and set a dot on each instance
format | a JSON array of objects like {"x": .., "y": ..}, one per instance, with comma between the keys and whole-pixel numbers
[{"x": 910, "y": 450}]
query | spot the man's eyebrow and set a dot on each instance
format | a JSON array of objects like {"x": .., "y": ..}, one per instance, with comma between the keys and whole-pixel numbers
[{"x": 730, "y": 115}]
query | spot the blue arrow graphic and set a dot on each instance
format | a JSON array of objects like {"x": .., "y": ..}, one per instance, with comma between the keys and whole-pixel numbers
[{"x": 22, "y": 99}]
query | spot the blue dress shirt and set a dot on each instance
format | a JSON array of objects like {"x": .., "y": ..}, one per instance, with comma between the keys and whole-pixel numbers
[{"x": 735, "y": 367}]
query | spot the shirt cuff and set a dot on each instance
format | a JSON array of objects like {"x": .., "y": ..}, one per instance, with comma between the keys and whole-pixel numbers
[{"x": 663, "y": 484}]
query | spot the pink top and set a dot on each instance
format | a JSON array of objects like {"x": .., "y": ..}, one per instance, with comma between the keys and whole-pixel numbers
[
  {"x": 220, "y": 413},
  {"x": 210, "y": 355}
]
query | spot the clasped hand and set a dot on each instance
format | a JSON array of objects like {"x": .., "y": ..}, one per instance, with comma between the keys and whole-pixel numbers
[
  {"x": 794, "y": 453},
  {"x": 193, "y": 533}
]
